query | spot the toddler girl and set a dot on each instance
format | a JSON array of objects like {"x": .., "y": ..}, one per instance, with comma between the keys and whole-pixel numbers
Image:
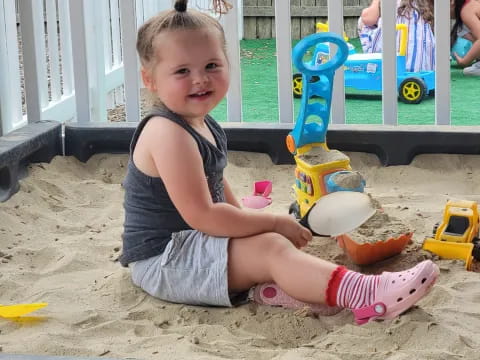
[{"x": 186, "y": 239}]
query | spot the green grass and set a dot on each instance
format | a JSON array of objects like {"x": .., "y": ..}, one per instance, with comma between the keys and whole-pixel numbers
[{"x": 260, "y": 103}]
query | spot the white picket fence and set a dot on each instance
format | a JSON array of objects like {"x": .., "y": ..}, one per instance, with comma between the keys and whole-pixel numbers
[{"x": 87, "y": 64}]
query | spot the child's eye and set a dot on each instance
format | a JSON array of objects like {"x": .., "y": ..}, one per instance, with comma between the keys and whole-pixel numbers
[
  {"x": 212, "y": 66},
  {"x": 182, "y": 71}
]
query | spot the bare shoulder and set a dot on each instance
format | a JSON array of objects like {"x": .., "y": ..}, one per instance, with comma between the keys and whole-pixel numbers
[
  {"x": 160, "y": 125},
  {"x": 159, "y": 139},
  {"x": 470, "y": 15},
  {"x": 160, "y": 130}
]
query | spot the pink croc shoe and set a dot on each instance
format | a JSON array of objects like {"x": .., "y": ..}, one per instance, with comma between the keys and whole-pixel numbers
[
  {"x": 398, "y": 291},
  {"x": 271, "y": 294}
]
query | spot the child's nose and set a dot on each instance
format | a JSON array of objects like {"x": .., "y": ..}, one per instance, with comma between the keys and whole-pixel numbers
[{"x": 200, "y": 78}]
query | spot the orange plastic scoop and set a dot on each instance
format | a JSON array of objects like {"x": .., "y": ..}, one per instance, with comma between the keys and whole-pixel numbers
[
  {"x": 369, "y": 253},
  {"x": 13, "y": 311}
]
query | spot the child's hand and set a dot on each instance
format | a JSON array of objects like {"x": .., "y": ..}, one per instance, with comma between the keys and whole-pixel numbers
[
  {"x": 287, "y": 226},
  {"x": 460, "y": 60}
]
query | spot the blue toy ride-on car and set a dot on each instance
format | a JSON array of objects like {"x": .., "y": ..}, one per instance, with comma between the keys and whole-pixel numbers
[{"x": 364, "y": 72}]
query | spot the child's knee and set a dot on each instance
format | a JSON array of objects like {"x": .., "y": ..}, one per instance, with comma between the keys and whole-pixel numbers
[{"x": 275, "y": 243}]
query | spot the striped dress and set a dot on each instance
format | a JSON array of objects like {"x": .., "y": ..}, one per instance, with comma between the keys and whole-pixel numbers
[{"x": 420, "y": 46}]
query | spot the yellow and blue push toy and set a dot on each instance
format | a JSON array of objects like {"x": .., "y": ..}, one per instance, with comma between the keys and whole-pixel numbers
[{"x": 319, "y": 170}]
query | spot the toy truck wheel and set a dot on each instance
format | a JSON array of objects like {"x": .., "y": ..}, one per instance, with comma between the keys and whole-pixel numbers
[
  {"x": 297, "y": 86},
  {"x": 412, "y": 90},
  {"x": 476, "y": 252},
  {"x": 294, "y": 210}
]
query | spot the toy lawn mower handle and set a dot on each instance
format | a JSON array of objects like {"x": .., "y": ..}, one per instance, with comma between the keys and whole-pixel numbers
[{"x": 312, "y": 40}]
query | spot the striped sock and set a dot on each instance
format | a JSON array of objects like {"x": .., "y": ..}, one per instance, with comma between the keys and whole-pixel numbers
[{"x": 350, "y": 289}]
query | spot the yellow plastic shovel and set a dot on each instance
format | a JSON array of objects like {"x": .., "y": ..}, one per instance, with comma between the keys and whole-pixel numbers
[{"x": 13, "y": 311}]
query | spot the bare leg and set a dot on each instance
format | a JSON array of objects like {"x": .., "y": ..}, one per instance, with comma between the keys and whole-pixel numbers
[{"x": 270, "y": 257}]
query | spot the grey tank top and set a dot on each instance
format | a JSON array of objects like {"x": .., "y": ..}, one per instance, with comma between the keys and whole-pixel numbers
[{"x": 150, "y": 215}]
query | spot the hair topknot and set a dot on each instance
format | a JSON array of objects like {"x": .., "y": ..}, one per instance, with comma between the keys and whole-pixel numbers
[
  {"x": 181, "y": 5},
  {"x": 177, "y": 19}
]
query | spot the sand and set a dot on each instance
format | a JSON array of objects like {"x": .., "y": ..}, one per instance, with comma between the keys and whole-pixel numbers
[
  {"x": 60, "y": 238},
  {"x": 318, "y": 155},
  {"x": 380, "y": 227}
]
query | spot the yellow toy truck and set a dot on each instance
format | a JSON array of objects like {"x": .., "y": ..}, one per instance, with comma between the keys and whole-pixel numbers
[{"x": 456, "y": 237}]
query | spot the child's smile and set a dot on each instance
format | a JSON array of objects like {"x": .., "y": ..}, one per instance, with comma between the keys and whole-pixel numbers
[{"x": 201, "y": 95}]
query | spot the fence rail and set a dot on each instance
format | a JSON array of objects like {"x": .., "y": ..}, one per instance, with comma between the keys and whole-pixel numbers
[
  {"x": 259, "y": 17},
  {"x": 44, "y": 77}
]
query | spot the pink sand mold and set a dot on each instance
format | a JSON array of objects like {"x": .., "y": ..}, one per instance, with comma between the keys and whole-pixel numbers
[
  {"x": 262, "y": 188},
  {"x": 260, "y": 198}
]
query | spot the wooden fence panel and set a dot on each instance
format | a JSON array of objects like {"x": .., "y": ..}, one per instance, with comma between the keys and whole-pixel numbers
[
  {"x": 250, "y": 23},
  {"x": 308, "y": 23},
  {"x": 264, "y": 24},
  {"x": 259, "y": 17},
  {"x": 296, "y": 24}
]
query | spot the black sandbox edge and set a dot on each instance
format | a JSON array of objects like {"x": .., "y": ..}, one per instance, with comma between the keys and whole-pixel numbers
[
  {"x": 393, "y": 145},
  {"x": 33, "y": 143}
]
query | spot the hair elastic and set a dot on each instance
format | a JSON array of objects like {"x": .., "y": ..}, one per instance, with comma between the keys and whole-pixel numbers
[{"x": 181, "y": 6}]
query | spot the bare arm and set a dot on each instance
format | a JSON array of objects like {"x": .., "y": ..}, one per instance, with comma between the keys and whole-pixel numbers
[
  {"x": 229, "y": 195},
  {"x": 472, "y": 20},
  {"x": 371, "y": 14},
  {"x": 179, "y": 164}
]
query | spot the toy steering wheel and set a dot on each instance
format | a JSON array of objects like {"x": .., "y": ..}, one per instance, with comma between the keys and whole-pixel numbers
[
  {"x": 314, "y": 132},
  {"x": 312, "y": 40}
]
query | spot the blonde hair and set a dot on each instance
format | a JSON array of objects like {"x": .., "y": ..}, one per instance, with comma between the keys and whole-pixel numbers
[{"x": 178, "y": 18}]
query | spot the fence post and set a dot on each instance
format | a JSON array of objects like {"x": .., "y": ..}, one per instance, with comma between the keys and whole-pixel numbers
[
  {"x": 53, "y": 53},
  {"x": 234, "y": 95},
  {"x": 10, "y": 93},
  {"x": 389, "y": 62},
  {"x": 34, "y": 65},
  {"x": 284, "y": 60},
  {"x": 80, "y": 62},
  {"x": 128, "y": 17},
  {"x": 335, "y": 21},
  {"x": 66, "y": 47},
  {"x": 96, "y": 20},
  {"x": 442, "y": 63}
]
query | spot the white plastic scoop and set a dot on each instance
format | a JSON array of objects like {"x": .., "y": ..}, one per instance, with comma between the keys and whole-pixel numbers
[{"x": 338, "y": 213}]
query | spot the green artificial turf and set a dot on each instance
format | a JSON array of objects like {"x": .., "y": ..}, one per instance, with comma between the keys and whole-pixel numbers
[{"x": 260, "y": 103}]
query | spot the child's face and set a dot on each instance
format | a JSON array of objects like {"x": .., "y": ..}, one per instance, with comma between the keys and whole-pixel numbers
[{"x": 191, "y": 74}]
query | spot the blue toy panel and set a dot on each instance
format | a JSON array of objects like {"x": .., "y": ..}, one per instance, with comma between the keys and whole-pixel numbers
[{"x": 364, "y": 71}]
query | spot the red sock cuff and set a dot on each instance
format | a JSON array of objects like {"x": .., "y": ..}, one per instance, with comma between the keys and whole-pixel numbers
[{"x": 333, "y": 285}]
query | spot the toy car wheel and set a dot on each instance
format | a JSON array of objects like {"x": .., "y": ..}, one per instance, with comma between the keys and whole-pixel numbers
[
  {"x": 412, "y": 90},
  {"x": 297, "y": 86},
  {"x": 294, "y": 210}
]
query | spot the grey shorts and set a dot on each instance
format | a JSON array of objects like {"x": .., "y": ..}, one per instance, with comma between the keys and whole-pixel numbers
[{"x": 192, "y": 270}]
